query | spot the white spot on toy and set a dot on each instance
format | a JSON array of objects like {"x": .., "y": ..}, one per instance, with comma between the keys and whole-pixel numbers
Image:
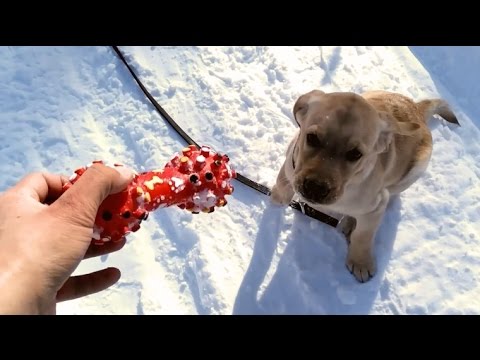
[{"x": 178, "y": 182}]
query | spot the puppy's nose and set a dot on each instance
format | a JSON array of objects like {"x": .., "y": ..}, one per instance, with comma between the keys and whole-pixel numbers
[{"x": 316, "y": 189}]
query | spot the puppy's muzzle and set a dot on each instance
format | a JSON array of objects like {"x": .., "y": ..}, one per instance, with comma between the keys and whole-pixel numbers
[{"x": 315, "y": 190}]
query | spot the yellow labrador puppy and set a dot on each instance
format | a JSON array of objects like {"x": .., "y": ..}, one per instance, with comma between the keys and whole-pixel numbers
[{"x": 351, "y": 153}]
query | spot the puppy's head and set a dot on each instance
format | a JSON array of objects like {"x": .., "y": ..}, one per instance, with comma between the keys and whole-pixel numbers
[{"x": 341, "y": 135}]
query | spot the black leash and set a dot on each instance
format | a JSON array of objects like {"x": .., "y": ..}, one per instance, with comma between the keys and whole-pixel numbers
[{"x": 307, "y": 210}]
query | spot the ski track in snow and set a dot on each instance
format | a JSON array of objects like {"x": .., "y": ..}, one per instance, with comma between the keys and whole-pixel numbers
[{"x": 64, "y": 107}]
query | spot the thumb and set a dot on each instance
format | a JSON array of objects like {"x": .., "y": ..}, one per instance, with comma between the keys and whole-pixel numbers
[{"x": 82, "y": 200}]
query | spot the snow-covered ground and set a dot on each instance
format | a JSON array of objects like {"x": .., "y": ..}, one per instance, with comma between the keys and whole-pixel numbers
[{"x": 61, "y": 107}]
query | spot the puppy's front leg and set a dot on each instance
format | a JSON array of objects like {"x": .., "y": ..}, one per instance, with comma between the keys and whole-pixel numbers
[
  {"x": 282, "y": 191},
  {"x": 360, "y": 260},
  {"x": 346, "y": 225}
]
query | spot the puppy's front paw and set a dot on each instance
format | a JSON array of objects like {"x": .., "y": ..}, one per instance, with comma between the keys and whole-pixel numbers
[
  {"x": 363, "y": 267},
  {"x": 280, "y": 198}
]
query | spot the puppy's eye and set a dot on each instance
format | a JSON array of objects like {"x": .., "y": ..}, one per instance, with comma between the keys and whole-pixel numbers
[
  {"x": 353, "y": 155},
  {"x": 313, "y": 141}
]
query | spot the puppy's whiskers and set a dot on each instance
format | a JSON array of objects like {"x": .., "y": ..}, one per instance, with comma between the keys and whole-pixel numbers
[{"x": 283, "y": 179}]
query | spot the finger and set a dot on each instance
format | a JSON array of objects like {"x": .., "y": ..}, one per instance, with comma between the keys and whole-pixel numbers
[
  {"x": 41, "y": 186},
  {"x": 91, "y": 189},
  {"x": 83, "y": 285},
  {"x": 55, "y": 194},
  {"x": 107, "y": 248}
]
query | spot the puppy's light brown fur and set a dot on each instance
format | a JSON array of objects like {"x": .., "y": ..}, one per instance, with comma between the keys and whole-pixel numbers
[{"x": 351, "y": 153}]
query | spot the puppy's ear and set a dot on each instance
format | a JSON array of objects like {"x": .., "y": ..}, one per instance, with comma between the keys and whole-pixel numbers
[
  {"x": 301, "y": 106},
  {"x": 389, "y": 127}
]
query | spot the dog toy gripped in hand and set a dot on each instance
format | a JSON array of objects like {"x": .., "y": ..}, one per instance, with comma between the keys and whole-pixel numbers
[{"x": 196, "y": 180}]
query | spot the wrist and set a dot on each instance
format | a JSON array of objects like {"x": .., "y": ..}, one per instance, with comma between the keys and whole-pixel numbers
[{"x": 18, "y": 292}]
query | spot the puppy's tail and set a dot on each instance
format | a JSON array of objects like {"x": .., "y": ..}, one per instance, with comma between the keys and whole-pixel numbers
[{"x": 440, "y": 107}]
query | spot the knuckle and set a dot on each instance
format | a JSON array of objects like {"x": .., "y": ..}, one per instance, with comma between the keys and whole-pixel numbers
[
  {"x": 100, "y": 170},
  {"x": 76, "y": 210}
]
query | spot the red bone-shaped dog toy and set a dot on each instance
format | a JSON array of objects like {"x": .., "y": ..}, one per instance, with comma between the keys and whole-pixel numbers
[{"x": 196, "y": 180}]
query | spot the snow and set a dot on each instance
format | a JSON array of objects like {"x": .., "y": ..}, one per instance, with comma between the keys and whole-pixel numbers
[{"x": 62, "y": 107}]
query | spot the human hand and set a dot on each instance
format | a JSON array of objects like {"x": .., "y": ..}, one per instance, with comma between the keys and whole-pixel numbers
[{"x": 45, "y": 234}]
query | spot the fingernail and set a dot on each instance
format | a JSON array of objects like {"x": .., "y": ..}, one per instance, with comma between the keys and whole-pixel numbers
[{"x": 125, "y": 172}]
